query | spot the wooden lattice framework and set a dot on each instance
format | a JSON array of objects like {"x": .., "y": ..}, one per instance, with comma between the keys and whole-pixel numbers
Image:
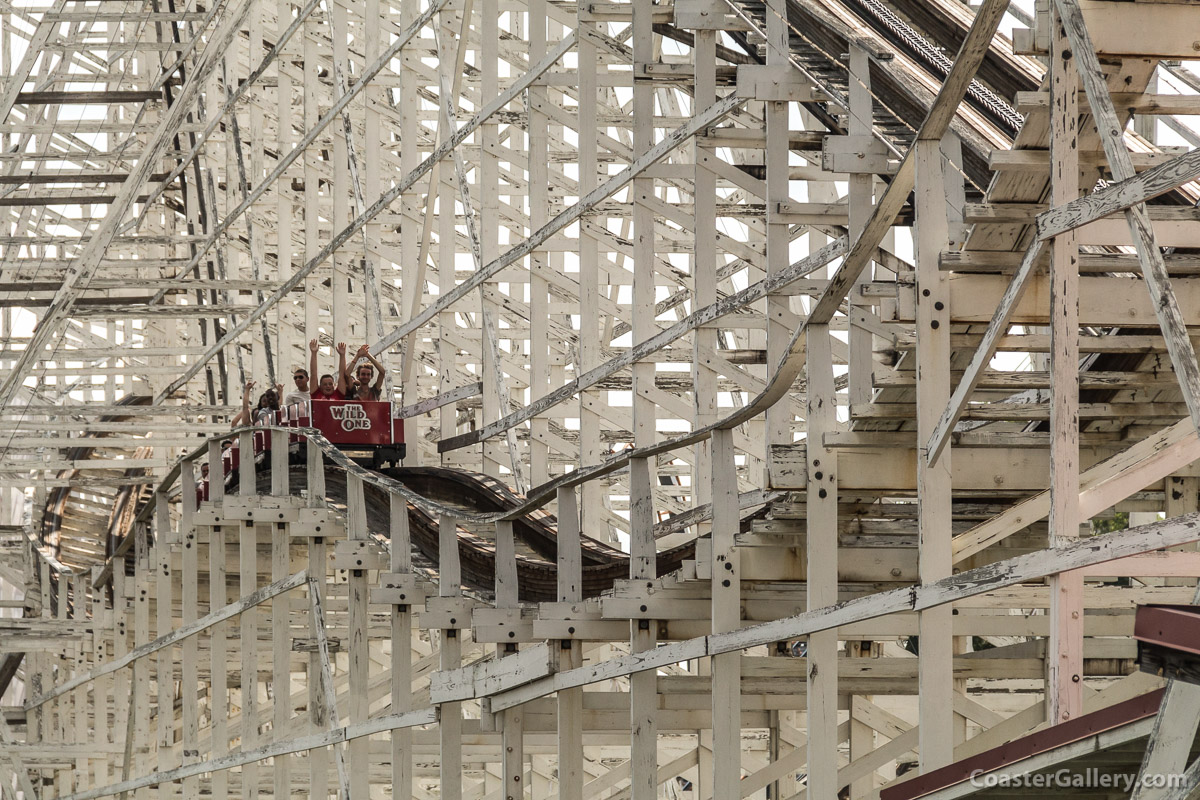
[{"x": 716, "y": 287}]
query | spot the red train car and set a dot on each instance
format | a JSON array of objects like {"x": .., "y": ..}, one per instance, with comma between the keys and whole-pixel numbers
[
  {"x": 360, "y": 427},
  {"x": 364, "y": 429}
]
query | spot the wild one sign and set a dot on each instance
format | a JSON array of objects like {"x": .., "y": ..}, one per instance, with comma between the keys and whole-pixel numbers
[{"x": 352, "y": 417}]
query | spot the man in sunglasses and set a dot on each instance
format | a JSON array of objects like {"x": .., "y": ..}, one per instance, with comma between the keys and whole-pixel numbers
[{"x": 300, "y": 392}]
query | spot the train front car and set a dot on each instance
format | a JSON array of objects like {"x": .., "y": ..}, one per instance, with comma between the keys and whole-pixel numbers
[{"x": 364, "y": 429}]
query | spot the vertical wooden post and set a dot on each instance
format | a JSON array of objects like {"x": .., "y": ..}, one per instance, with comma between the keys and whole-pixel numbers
[
  {"x": 312, "y": 178},
  {"x": 726, "y": 616},
  {"x": 360, "y": 662},
  {"x": 1064, "y": 654},
  {"x": 288, "y": 324},
  {"x": 590, "y": 355},
  {"x": 401, "y": 563},
  {"x": 140, "y": 690},
  {"x": 539, "y": 260},
  {"x": 570, "y": 653},
  {"x": 643, "y": 686},
  {"x": 776, "y": 156},
  {"x": 281, "y": 679},
  {"x": 248, "y": 628},
  {"x": 189, "y": 681},
  {"x": 936, "y": 665},
  {"x": 860, "y": 198},
  {"x": 512, "y": 749},
  {"x": 343, "y": 321},
  {"x": 218, "y": 692},
  {"x": 163, "y": 623},
  {"x": 318, "y": 759},
  {"x": 859, "y": 201},
  {"x": 410, "y": 246},
  {"x": 450, "y": 727},
  {"x": 706, "y": 339},
  {"x": 822, "y": 566}
]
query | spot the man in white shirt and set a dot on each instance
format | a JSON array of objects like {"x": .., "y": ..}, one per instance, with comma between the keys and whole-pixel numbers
[{"x": 299, "y": 395}]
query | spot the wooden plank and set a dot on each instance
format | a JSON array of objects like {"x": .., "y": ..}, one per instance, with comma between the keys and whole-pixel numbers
[
  {"x": 1119, "y": 196},
  {"x": 1101, "y": 486}
]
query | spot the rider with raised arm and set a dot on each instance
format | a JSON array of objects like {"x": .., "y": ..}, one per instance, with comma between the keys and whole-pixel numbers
[
  {"x": 329, "y": 387},
  {"x": 360, "y": 386}
]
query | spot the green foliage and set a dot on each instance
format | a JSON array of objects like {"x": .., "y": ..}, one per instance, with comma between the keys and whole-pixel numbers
[{"x": 1118, "y": 522}]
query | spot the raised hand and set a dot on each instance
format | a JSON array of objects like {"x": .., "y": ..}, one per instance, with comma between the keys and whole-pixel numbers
[
  {"x": 341, "y": 348},
  {"x": 312, "y": 345}
]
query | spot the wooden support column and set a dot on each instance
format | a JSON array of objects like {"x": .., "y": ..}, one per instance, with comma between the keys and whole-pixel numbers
[
  {"x": 860, "y": 201},
  {"x": 706, "y": 342},
  {"x": 342, "y": 260},
  {"x": 591, "y": 450},
  {"x": 318, "y": 565},
  {"x": 643, "y": 686},
  {"x": 289, "y": 320},
  {"x": 139, "y": 733},
  {"x": 488, "y": 178},
  {"x": 1064, "y": 654},
  {"x": 402, "y": 632},
  {"x": 447, "y": 353},
  {"x": 643, "y": 474},
  {"x": 935, "y": 666},
  {"x": 778, "y": 236},
  {"x": 104, "y": 632},
  {"x": 570, "y": 651},
  {"x": 360, "y": 662},
  {"x": 373, "y": 24},
  {"x": 412, "y": 287},
  {"x": 189, "y": 681},
  {"x": 281, "y": 679},
  {"x": 311, "y": 85},
  {"x": 822, "y": 566},
  {"x": 450, "y": 722},
  {"x": 248, "y": 627},
  {"x": 218, "y": 596},
  {"x": 511, "y": 720},
  {"x": 726, "y": 616},
  {"x": 163, "y": 602},
  {"x": 539, "y": 260}
]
